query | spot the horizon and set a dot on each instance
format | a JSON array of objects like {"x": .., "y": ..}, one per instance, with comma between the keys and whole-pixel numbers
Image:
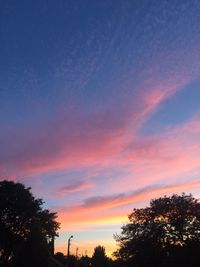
[{"x": 100, "y": 108}]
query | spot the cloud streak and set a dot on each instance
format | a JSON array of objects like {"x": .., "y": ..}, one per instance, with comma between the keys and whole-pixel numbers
[
  {"x": 103, "y": 202},
  {"x": 96, "y": 140},
  {"x": 75, "y": 187}
]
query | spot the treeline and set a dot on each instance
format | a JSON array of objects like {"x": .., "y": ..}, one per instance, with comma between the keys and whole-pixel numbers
[
  {"x": 98, "y": 259},
  {"x": 164, "y": 234}
]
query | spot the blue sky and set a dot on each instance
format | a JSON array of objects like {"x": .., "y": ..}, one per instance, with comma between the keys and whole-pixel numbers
[{"x": 100, "y": 107}]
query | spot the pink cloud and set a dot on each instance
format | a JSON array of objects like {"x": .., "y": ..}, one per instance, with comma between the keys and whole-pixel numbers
[
  {"x": 101, "y": 138},
  {"x": 75, "y": 187},
  {"x": 107, "y": 202},
  {"x": 173, "y": 155},
  {"x": 100, "y": 142},
  {"x": 99, "y": 210},
  {"x": 41, "y": 153}
]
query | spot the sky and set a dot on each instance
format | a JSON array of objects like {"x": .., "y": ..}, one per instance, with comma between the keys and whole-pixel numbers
[{"x": 100, "y": 108}]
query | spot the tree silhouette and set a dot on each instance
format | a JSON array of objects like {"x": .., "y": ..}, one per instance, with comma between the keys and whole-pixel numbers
[
  {"x": 165, "y": 234},
  {"x": 84, "y": 261},
  {"x": 25, "y": 227},
  {"x": 99, "y": 258},
  {"x": 59, "y": 256}
]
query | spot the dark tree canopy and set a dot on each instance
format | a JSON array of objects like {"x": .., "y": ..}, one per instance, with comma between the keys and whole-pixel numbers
[
  {"x": 167, "y": 233},
  {"x": 99, "y": 258},
  {"x": 25, "y": 227},
  {"x": 84, "y": 261},
  {"x": 59, "y": 256}
]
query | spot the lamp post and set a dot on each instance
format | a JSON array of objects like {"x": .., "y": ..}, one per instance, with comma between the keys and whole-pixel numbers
[{"x": 68, "y": 247}]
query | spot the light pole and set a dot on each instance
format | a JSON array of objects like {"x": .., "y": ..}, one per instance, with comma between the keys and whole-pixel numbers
[{"x": 68, "y": 247}]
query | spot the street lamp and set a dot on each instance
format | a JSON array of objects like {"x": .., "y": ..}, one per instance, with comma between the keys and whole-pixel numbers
[{"x": 68, "y": 247}]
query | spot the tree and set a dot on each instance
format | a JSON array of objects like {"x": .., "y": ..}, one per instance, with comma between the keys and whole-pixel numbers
[
  {"x": 84, "y": 261},
  {"x": 59, "y": 256},
  {"x": 99, "y": 258},
  {"x": 167, "y": 233},
  {"x": 25, "y": 227}
]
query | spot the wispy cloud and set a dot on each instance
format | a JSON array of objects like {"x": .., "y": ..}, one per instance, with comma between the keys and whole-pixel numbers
[
  {"x": 75, "y": 187},
  {"x": 79, "y": 141},
  {"x": 107, "y": 202}
]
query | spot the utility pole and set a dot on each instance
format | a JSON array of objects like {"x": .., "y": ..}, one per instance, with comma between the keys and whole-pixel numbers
[
  {"x": 77, "y": 253},
  {"x": 68, "y": 247},
  {"x": 68, "y": 251}
]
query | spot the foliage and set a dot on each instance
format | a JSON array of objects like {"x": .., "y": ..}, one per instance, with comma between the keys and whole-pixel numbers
[
  {"x": 59, "y": 256},
  {"x": 71, "y": 261},
  {"x": 25, "y": 227},
  {"x": 99, "y": 258},
  {"x": 84, "y": 261},
  {"x": 165, "y": 234}
]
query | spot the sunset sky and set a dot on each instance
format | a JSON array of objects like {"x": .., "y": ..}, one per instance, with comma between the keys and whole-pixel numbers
[{"x": 100, "y": 107}]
